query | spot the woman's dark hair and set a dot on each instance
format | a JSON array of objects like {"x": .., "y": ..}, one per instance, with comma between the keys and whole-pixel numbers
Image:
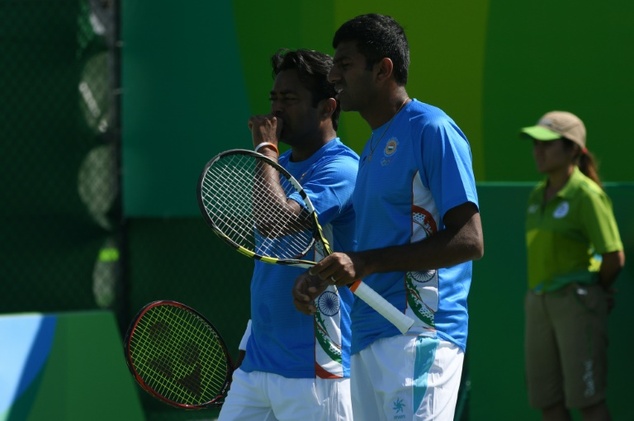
[
  {"x": 585, "y": 161},
  {"x": 377, "y": 36},
  {"x": 312, "y": 68}
]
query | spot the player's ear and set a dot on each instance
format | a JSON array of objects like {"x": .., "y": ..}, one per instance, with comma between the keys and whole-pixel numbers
[
  {"x": 384, "y": 69},
  {"x": 327, "y": 107}
]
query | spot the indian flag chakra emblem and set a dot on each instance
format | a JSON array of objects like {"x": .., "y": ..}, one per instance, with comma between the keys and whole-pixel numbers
[{"x": 328, "y": 303}]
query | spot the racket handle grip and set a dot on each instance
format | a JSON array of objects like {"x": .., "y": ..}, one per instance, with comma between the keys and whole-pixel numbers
[{"x": 382, "y": 306}]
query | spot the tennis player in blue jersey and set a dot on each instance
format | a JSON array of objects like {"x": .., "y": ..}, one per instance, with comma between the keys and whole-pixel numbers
[
  {"x": 417, "y": 230},
  {"x": 296, "y": 366}
]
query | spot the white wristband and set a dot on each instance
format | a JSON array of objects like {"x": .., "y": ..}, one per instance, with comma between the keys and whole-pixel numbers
[{"x": 263, "y": 144}]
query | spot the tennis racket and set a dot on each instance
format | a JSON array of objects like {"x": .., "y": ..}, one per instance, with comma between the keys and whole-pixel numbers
[
  {"x": 247, "y": 211},
  {"x": 178, "y": 356}
]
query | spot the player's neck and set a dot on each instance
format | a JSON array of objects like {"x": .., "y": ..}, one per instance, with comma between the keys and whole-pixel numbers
[
  {"x": 383, "y": 110},
  {"x": 309, "y": 147}
]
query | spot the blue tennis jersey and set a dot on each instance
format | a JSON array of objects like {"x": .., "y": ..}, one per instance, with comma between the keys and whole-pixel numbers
[
  {"x": 409, "y": 177},
  {"x": 283, "y": 340}
]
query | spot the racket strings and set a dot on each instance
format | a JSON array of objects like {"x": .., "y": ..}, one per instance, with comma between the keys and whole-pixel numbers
[
  {"x": 179, "y": 356},
  {"x": 253, "y": 214}
]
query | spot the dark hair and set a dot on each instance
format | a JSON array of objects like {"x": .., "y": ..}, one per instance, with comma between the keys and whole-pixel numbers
[
  {"x": 377, "y": 36},
  {"x": 312, "y": 68},
  {"x": 585, "y": 161}
]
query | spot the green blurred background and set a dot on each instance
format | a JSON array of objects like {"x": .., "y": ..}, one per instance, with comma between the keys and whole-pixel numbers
[
  {"x": 110, "y": 109},
  {"x": 193, "y": 74}
]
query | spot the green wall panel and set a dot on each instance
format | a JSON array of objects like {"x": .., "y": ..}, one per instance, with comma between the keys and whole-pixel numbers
[
  {"x": 183, "y": 100},
  {"x": 65, "y": 366},
  {"x": 558, "y": 54},
  {"x": 190, "y": 86},
  {"x": 193, "y": 74}
]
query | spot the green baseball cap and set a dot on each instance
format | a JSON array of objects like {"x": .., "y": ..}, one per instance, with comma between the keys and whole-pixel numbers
[{"x": 555, "y": 125}]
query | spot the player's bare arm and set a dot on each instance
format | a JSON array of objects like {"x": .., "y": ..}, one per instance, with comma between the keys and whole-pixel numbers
[{"x": 461, "y": 240}]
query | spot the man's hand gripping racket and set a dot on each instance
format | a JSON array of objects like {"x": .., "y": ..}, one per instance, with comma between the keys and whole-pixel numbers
[{"x": 243, "y": 197}]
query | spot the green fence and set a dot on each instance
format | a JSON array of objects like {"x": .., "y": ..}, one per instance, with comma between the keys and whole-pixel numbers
[{"x": 58, "y": 156}]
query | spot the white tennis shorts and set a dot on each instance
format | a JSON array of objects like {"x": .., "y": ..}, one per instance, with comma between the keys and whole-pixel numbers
[
  {"x": 406, "y": 378},
  {"x": 259, "y": 396}
]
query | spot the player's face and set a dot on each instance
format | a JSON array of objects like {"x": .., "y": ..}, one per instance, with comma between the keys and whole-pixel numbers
[
  {"x": 552, "y": 156},
  {"x": 353, "y": 82},
  {"x": 291, "y": 102}
]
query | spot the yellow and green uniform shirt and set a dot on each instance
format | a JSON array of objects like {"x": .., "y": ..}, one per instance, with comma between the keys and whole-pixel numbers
[{"x": 564, "y": 234}]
